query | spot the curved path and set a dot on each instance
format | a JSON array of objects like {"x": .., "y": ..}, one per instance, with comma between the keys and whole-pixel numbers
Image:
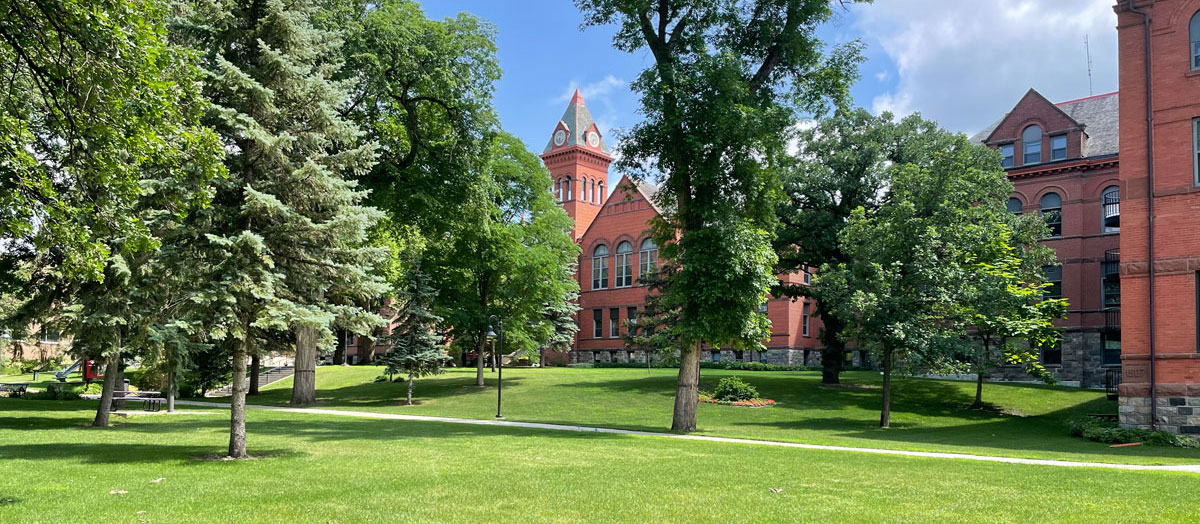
[{"x": 1187, "y": 468}]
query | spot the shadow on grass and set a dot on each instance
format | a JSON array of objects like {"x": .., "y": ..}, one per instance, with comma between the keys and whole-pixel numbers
[
  {"x": 379, "y": 394},
  {"x": 121, "y": 453}
]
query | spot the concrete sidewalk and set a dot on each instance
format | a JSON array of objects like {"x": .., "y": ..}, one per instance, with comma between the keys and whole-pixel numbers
[{"x": 1187, "y": 468}]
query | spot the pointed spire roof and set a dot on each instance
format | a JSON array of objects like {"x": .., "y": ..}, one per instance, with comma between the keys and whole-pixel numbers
[{"x": 576, "y": 122}]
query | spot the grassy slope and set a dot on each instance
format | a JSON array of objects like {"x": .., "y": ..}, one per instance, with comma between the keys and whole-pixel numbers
[
  {"x": 326, "y": 469},
  {"x": 927, "y": 415}
]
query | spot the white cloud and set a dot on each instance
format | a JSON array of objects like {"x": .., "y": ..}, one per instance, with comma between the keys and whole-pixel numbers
[
  {"x": 600, "y": 89},
  {"x": 966, "y": 63}
]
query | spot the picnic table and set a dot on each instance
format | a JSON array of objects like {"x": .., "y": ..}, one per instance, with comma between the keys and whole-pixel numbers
[
  {"x": 14, "y": 389},
  {"x": 151, "y": 400}
]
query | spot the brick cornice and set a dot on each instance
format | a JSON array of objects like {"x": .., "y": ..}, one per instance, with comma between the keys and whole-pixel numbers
[{"x": 1085, "y": 164}]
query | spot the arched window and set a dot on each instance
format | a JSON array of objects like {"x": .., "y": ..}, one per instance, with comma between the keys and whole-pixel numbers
[
  {"x": 601, "y": 193},
  {"x": 1031, "y": 145},
  {"x": 1194, "y": 37},
  {"x": 600, "y": 267},
  {"x": 1051, "y": 205},
  {"x": 1014, "y": 205},
  {"x": 569, "y": 189},
  {"x": 594, "y": 199},
  {"x": 647, "y": 259},
  {"x": 624, "y": 265},
  {"x": 558, "y": 190},
  {"x": 1110, "y": 209},
  {"x": 583, "y": 191}
]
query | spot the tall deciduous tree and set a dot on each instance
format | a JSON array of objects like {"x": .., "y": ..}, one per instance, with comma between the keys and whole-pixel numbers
[
  {"x": 95, "y": 96},
  {"x": 728, "y": 80},
  {"x": 510, "y": 258},
  {"x": 911, "y": 260},
  {"x": 286, "y": 230},
  {"x": 843, "y": 163}
]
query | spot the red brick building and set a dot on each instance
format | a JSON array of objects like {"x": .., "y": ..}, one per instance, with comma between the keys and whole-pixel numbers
[
  {"x": 1159, "y": 52},
  {"x": 612, "y": 229},
  {"x": 1063, "y": 162}
]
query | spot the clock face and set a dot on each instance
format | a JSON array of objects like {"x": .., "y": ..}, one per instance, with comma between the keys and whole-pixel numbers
[
  {"x": 594, "y": 139},
  {"x": 560, "y": 136}
]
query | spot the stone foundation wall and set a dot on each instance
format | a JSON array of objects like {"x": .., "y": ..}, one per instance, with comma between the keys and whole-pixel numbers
[{"x": 1178, "y": 407}]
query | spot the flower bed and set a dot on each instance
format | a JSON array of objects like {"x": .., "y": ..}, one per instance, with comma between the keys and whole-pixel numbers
[{"x": 752, "y": 403}]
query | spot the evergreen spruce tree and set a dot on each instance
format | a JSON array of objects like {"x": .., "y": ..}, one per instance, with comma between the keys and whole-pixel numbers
[
  {"x": 286, "y": 229},
  {"x": 416, "y": 343}
]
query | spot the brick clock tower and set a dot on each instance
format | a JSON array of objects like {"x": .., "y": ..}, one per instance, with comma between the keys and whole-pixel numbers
[
  {"x": 578, "y": 160},
  {"x": 1159, "y": 57}
]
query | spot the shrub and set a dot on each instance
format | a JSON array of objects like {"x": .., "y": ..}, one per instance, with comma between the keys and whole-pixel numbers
[
  {"x": 733, "y": 388},
  {"x": 1108, "y": 431},
  {"x": 147, "y": 379}
]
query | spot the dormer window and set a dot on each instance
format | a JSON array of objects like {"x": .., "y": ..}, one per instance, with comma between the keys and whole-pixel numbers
[
  {"x": 1058, "y": 147},
  {"x": 1194, "y": 37},
  {"x": 1031, "y": 145},
  {"x": 1006, "y": 156}
]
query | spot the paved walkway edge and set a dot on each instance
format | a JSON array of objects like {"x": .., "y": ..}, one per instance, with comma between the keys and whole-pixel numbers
[{"x": 1187, "y": 468}]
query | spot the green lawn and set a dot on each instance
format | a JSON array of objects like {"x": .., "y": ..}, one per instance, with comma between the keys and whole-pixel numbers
[
  {"x": 317, "y": 468},
  {"x": 928, "y": 415}
]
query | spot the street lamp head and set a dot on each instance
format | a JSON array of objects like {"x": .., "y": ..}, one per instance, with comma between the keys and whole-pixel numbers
[{"x": 491, "y": 334}]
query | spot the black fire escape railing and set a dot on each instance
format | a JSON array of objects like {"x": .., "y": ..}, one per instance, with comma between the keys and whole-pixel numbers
[
  {"x": 1112, "y": 379},
  {"x": 1112, "y": 210},
  {"x": 1111, "y": 266}
]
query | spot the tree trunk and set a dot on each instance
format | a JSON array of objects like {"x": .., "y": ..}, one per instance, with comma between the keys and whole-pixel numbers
[
  {"x": 106, "y": 393},
  {"x": 255, "y": 369},
  {"x": 366, "y": 349},
  {"x": 479, "y": 359},
  {"x": 237, "y": 404},
  {"x": 979, "y": 374},
  {"x": 304, "y": 383},
  {"x": 492, "y": 362},
  {"x": 410, "y": 388},
  {"x": 339, "y": 353},
  {"x": 833, "y": 355},
  {"x": 171, "y": 391},
  {"x": 687, "y": 391},
  {"x": 885, "y": 414}
]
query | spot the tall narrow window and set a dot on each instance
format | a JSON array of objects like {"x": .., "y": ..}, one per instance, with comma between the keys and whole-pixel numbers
[
  {"x": 1014, "y": 205},
  {"x": 1054, "y": 279},
  {"x": 804, "y": 319},
  {"x": 1006, "y": 155},
  {"x": 594, "y": 200},
  {"x": 583, "y": 190},
  {"x": 600, "y": 193},
  {"x": 558, "y": 190},
  {"x": 1194, "y": 37},
  {"x": 1110, "y": 209},
  {"x": 1058, "y": 147},
  {"x": 614, "y": 322},
  {"x": 1031, "y": 145},
  {"x": 624, "y": 265},
  {"x": 570, "y": 188},
  {"x": 647, "y": 259},
  {"x": 597, "y": 323},
  {"x": 631, "y": 318},
  {"x": 807, "y": 276},
  {"x": 600, "y": 267},
  {"x": 1051, "y": 205},
  {"x": 1196, "y": 151}
]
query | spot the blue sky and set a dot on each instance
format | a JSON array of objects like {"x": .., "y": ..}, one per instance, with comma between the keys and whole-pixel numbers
[{"x": 962, "y": 63}]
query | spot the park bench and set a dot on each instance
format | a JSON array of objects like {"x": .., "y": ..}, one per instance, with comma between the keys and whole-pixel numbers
[
  {"x": 14, "y": 389},
  {"x": 151, "y": 400}
]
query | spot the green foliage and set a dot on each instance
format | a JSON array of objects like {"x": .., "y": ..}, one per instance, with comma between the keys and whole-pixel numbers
[
  {"x": 1109, "y": 431},
  {"x": 416, "y": 342},
  {"x": 96, "y": 99},
  {"x": 205, "y": 369},
  {"x": 733, "y": 388},
  {"x": 513, "y": 258}
]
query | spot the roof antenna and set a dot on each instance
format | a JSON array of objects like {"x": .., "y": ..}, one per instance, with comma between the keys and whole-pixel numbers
[{"x": 1087, "y": 49}]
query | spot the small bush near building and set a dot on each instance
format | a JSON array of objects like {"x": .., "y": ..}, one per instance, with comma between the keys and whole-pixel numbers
[
  {"x": 1109, "y": 431},
  {"x": 733, "y": 388}
]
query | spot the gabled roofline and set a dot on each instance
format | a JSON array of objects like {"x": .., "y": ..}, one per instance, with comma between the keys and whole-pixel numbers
[
  {"x": 1032, "y": 92},
  {"x": 609, "y": 197}
]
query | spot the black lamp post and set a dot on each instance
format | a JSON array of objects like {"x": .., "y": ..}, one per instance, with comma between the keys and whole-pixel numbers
[{"x": 498, "y": 342}]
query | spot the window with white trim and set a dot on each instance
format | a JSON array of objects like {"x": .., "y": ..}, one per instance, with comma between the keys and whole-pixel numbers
[
  {"x": 1031, "y": 145},
  {"x": 624, "y": 265},
  {"x": 1058, "y": 147},
  {"x": 1051, "y": 206},
  {"x": 647, "y": 259},
  {"x": 1006, "y": 155},
  {"x": 600, "y": 267},
  {"x": 1194, "y": 38},
  {"x": 804, "y": 319}
]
